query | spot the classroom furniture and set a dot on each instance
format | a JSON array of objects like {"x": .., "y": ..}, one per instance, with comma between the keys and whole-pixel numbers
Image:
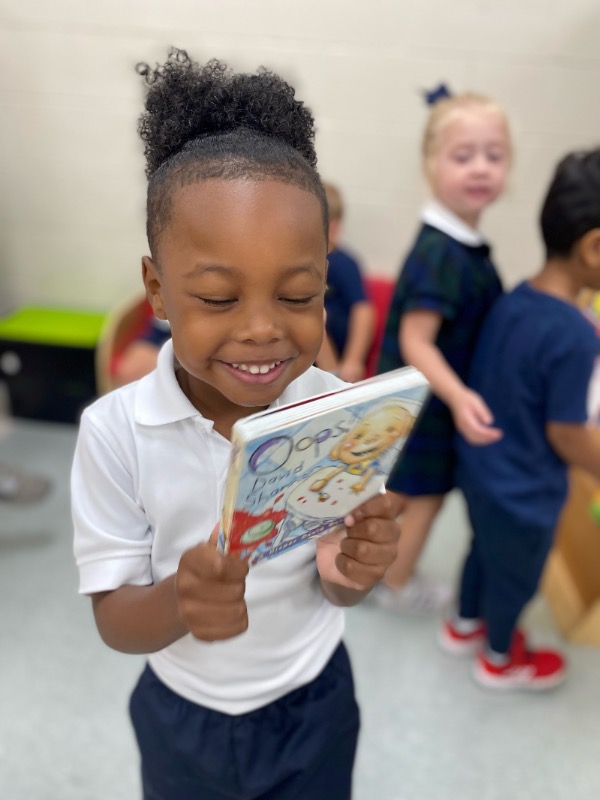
[
  {"x": 379, "y": 291},
  {"x": 571, "y": 582},
  {"x": 124, "y": 323},
  {"x": 47, "y": 361}
]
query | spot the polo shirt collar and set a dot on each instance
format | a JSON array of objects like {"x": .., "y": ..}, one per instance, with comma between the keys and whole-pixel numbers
[
  {"x": 440, "y": 217},
  {"x": 160, "y": 401}
]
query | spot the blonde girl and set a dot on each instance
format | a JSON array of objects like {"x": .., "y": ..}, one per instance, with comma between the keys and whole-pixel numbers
[{"x": 444, "y": 291}]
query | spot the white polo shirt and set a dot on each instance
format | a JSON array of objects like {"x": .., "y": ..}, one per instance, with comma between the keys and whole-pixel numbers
[{"x": 147, "y": 485}]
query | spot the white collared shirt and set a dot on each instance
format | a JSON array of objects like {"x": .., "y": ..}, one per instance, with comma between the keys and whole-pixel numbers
[
  {"x": 440, "y": 217},
  {"x": 147, "y": 484}
]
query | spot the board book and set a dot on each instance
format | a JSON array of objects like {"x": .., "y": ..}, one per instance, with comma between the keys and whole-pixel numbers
[{"x": 297, "y": 470}]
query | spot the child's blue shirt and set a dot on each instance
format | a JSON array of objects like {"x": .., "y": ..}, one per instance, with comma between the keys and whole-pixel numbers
[
  {"x": 344, "y": 289},
  {"x": 533, "y": 365}
]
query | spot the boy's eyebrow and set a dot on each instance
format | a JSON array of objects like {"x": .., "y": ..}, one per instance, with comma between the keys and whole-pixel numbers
[{"x": 203, "y": 269}]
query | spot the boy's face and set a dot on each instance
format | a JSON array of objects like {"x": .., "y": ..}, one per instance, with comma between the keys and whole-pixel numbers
[
  {"x": 469, "y": 168},
  {"x": 241, "y": 281}
]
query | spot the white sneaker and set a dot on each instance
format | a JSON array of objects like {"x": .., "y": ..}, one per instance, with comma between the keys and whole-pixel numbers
[
  {"x": 19, "y": 487},
  {"x": 419, "y": 595}
]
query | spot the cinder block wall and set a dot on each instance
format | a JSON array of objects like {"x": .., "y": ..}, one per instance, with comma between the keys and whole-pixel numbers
[{"x": 72, "y": 205}]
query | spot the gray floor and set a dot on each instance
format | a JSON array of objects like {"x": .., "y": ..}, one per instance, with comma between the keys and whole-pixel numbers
[{"x": 428, "y": 732}]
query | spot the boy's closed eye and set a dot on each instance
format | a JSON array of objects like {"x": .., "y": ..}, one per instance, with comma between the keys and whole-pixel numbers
[
  {"x": 227, "y": 302},
  {"x": 299, "y": 301},
  {"x": 217, "y": 303}
]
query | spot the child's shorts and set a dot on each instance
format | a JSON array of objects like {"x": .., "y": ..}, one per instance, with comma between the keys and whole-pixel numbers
[{"x": 301, "y": 746}]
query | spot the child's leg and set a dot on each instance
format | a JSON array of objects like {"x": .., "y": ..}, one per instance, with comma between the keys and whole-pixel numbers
[
  {"x": 514, "y": 557},
  {"x": 300, "y": 746},
  {"x": 471, "y": 584},
  {"x": 415, "y": 523},
  {"x": 403, "y": 589}
]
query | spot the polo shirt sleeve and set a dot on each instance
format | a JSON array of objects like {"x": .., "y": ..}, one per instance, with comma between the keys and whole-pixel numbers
[
  {"x": 112, "y": 541},
  {"x": 569, "y": 384},
  {"x": 433, "y": 281}
]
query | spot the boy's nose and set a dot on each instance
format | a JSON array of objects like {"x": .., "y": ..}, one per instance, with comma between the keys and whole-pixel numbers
[{"x": 259, "y": 325}]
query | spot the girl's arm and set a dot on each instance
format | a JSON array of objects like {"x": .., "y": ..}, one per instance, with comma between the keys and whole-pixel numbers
[
  {"x": 205, "y": 598},
  {"x": 576, "y": 445},
  {"x": 361, "y": 327},
  {"x": 418, "y": 332},
  {"x": 416, "y": 338}
]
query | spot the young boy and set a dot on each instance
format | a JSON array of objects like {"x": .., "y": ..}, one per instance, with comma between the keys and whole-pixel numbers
[
  {"x": 248, "y": 691},
  {"x": 533, "y": 366}
]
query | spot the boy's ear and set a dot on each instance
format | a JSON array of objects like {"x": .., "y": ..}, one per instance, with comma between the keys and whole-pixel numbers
[
  {"x": 589, "y": 248},
  {"x": 152, "y": 282}
]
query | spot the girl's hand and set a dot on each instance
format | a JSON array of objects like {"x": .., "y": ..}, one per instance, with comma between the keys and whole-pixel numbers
[
  {"x": 358, "y": 557},
  {"x": 474, "y": 419},
  {"x": 210, "y": 589}
]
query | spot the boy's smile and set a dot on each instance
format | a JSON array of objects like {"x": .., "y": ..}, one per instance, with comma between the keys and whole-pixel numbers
[{"x": 240, "y": 275}]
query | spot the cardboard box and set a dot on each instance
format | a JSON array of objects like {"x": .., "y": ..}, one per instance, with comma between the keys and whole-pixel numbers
[
  {"x": 571, "y": 581},
  {"x": 47, "y": 361}
]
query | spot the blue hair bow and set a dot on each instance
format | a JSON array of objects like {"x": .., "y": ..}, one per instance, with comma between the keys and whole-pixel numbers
[{"x": 441, "y": 91}]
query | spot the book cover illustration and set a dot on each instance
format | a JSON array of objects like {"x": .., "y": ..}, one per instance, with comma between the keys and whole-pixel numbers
[{"x": 299, "y": 481}]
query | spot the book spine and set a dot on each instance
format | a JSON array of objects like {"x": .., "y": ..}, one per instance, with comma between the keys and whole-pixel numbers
[{"x": 229, "y": 497}]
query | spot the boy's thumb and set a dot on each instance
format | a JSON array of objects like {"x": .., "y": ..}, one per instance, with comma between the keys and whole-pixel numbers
[{"x": 214, "y": 537}]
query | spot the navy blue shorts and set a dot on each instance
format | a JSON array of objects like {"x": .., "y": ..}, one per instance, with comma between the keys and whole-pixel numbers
[{"x": 301, "y": 746}]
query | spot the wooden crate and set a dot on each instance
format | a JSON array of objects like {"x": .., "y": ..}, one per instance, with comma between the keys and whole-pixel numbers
[{"x": 571, "y": 581}]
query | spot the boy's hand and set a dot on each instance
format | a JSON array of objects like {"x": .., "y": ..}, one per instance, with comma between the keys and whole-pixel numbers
[
  {"x": 210, "y": 590},
  {"x": 474, "y": 419},
  {"x": 358, "y": 557}
]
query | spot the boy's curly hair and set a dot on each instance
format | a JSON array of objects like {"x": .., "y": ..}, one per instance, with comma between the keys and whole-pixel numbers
[{"x": 206, "y": 121}]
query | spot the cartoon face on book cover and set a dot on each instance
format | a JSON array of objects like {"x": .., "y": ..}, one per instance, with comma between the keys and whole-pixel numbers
[{"x": 300, "y": 482}]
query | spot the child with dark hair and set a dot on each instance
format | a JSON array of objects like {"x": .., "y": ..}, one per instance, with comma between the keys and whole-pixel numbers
[
  {"x": 350, "y": 323},
  {"x": 248, "y": 691},
  {"x": 533, "y": 366},
  {"x": 139, "y": 357}
]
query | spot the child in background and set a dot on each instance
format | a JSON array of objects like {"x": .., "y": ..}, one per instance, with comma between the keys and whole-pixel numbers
[
  {"x": 350, "y": 321},
  {"x": 533, "y": 366},
  {"x": 248, "y": 690},
  {"x": 140, "y": 356},
  {"x": 445, "y": 289}
]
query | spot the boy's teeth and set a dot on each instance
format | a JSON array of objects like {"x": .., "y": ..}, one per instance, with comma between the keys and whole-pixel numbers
[{"x": 256, "y": 370}]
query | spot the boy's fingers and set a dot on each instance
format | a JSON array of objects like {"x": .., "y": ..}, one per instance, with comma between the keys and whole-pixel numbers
[
  {"x": 369, "y": 553},
  {"x": 207, "y": 563},
  {"x": 232, "y": 569},
  {"x": 376, "y": 531},
  {"x": 379, "y": 506}
]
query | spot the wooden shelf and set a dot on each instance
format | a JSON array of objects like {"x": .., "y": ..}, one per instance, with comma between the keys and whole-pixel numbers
[{"x": 571, "y": 581}]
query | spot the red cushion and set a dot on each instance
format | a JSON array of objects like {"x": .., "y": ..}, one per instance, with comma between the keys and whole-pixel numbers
[{"x": 379, "y": 291}]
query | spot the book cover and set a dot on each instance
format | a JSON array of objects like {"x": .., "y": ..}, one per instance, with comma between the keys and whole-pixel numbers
[{"x": 296, "y": 471}]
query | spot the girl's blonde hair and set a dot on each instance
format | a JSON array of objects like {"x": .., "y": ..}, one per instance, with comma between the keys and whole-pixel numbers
[{"x": 446, "y": 110}]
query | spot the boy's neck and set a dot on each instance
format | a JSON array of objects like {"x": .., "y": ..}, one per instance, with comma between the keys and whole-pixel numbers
[
  {"x": 558, "y": 278},
  {"x": 223, "y": 414}
]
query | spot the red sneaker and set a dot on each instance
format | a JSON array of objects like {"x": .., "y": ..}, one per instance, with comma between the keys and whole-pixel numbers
[
  {"x": 461, "y": 644},
  {"x": 532, "y": 670}
]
